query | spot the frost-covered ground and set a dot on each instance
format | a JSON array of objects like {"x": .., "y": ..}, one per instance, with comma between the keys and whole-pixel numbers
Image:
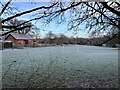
[{"x": 60, "y": 66}]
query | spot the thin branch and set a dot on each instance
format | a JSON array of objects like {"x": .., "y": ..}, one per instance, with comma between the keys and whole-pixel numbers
[
  {"x": 15, "y": 29},
  {"x": 4, "y": 8},
  {"x": 117, "y": 3},
  {"x": 4, "y": 26},
  {"x": 29, "y": 11},
  {"x": 110, "y": 8},
  {"x": 104, "y": 15},
  {"x": 108, "y": 39}
]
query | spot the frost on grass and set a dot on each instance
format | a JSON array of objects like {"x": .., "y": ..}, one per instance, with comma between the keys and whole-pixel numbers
[
  {"x": 0, "y": 69},
  {"x": 58, "y": 66}
]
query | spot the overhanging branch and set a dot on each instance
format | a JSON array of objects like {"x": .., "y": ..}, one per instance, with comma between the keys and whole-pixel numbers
[
  {"x": 25, "y": 12},
  {"x": 4, "y": 8},
  {"x": 15, "y": 29},
  {"x": 110, "y": 8}
]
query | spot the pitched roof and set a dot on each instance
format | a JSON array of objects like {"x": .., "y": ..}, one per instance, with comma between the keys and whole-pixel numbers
[{"x": 21, "y": 36}]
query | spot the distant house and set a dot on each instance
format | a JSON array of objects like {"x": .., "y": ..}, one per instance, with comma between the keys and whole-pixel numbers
[{"x": 20, "y": 39}]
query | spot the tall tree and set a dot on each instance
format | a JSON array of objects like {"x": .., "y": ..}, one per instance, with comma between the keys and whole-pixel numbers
[
  {"x": 63, "y": 39},
  {"x": 98, "y": 17},
  {"x": 50, "y": 37},
  {"x": 17, "y": 23}
]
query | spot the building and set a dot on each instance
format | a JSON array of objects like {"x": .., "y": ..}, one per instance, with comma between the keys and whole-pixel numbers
[{"x": 20, "y": 39}]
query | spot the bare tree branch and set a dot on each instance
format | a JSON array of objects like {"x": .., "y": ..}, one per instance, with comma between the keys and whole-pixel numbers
[
  {"x": 104, "y": 15},
  {"x": 19, "y": 14},
  {"x": 15, "y": 30},
  {"x": 4, "y": 8},
  {"x": 111, "y": 9}
]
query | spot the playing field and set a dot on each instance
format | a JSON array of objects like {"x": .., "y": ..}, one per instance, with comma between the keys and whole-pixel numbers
[{"x": 60, "y": 66}]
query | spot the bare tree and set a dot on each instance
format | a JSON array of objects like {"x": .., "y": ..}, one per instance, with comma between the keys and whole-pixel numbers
[
  {"x": 50, "y": 37},
  {"x": 35, "y": 32},
  {"x": 18, "y": 14},
  {"x": 16, "y": 22},
  {"x": 63, "y": 39},
  {"x": 98, "y": 17}
]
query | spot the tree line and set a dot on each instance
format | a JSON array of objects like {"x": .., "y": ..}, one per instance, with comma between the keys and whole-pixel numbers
[{"x": 62, "y": 39}]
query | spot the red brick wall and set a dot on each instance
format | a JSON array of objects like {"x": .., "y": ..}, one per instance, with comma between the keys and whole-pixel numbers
[
  {"x": 11, "y": 38},
  {"x": 19, "y": 42},
  {"x": 30, "y": 42}
]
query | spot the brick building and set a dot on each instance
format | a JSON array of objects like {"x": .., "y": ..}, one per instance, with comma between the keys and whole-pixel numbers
[{"x": 20, "y": 39}]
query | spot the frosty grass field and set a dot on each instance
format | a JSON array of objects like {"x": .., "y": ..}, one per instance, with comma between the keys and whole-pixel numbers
[{"x": 60, "y": 66}]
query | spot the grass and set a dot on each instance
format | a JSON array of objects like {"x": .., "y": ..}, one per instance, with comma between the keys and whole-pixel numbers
[{"x": 60, "y": 66}]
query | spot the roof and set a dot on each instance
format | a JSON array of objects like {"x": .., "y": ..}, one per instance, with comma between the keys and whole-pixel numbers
[{"x": 21, "y": 36}]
